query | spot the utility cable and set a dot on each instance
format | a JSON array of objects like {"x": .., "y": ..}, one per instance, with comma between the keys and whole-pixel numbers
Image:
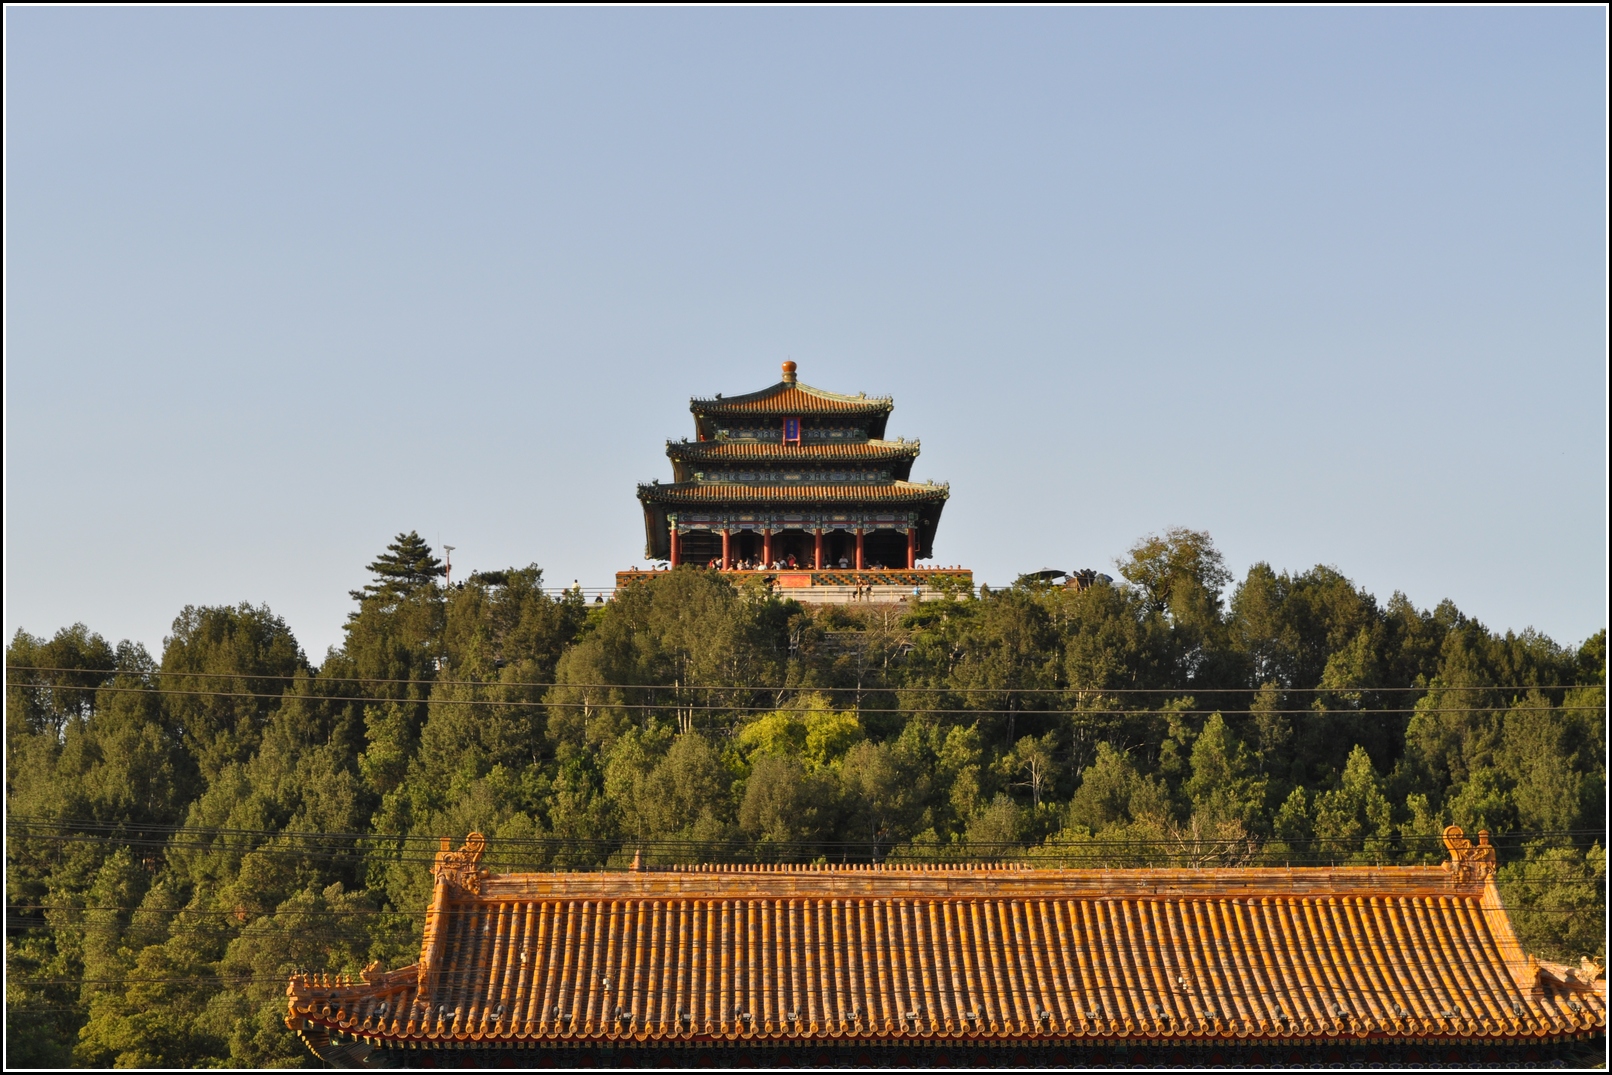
[
  {"x": 589, "y": 704},
  {"x": 314, "y": 676}
]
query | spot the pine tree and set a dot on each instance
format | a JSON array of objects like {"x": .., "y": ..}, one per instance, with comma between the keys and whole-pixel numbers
[{"x": 405, "y": 566}]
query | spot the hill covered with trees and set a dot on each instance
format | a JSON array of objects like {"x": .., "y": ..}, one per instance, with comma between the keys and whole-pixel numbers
[{"x": 185, "y": 830}]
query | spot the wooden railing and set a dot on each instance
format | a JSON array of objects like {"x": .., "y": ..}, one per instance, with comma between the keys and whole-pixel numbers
[{"x": 801, "y": 578}]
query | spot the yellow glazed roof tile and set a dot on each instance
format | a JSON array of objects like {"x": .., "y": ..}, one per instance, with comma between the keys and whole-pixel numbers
[
  {"x": 891, "y": 492},
  {"x": 790, "y": 954},
  {"x": 789, "y": 398},
  {"x": 771, "y": 451}
]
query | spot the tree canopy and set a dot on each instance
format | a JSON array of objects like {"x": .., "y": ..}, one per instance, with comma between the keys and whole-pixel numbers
[
  {"x": 185, "y": 831},
  {"x": 407, "y": 564}
]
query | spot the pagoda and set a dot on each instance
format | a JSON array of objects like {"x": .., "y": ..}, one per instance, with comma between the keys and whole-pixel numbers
[{"x": 800, "y": 484}]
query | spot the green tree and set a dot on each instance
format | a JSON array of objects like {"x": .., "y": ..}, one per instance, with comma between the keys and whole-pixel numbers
[
  {"x": 1032, "y": 762},
  {"x": 1009, "y": 652},
  {"x": 687, "y": 638},
  {"x": 688, "y": 792},
  {"x": 961, "y": 776},
  {"x": 788, "y": 807},
  {"x": 1112, "y": 793},
  {"x": 406, "y": 566},
  {"x": 1354, "y": 821},
  {"x": 997, "y": 831},
  {"x": 51, "y": 684},
  {"x": 884, "y": 790},
  {"x": 224, "y": 670},
  {"x": 1557, "y": 898},
  {"x": 1293, "y": 827},
  {"x": 1225, "y": 786},
  {"x": 1180, "y": 573},
  {"x": 809, "y": 728},
  {"x": 700, "y": 721}
]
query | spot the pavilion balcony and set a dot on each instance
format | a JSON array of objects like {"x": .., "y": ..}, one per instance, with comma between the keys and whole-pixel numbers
[{"x": 842, "y": 585}]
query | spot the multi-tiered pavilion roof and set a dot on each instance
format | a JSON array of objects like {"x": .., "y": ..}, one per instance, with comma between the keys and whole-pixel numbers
[{"x": 796, "y": 476}]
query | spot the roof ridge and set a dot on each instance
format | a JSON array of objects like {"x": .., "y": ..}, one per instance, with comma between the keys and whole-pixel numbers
[
  {"x": 1353, "y": 873},
  {"x": 875, "y": 443},
  {"x": 1004, "y": 880},
  {"x": 894, "y": 490},
  {"x": 799, "y": 386},
  {"x": 831, "y": 868},
  {"x": 926, "y": 485}
]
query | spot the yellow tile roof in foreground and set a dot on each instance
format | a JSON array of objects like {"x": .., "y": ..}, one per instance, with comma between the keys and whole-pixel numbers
[{"x": 928, "y": 953}]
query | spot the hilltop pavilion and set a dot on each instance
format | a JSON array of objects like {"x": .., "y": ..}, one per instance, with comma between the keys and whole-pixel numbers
[
  {"x": 792, "y": 472},
  {"x": 800, "y": 484}
]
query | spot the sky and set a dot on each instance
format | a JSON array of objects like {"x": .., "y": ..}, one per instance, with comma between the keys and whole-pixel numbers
[{"x": 1330, "y": 284}]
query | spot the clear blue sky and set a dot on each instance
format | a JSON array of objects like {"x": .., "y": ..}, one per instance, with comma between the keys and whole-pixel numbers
[{"x": 1328, "y": 283}]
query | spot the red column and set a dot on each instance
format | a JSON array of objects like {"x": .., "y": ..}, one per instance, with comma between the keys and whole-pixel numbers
[
  {"x": 766, "y": 548},
  {"x": 859, "y": 550},
  {"x": 727, "y": 550},
  {"x": 912, "y": 547},
  {"x": 817, "y": 549},
  {"x": 676, "y": 552}
]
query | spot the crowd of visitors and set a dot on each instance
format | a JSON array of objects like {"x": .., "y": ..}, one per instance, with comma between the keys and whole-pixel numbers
[{"x": 788, "y": 563}]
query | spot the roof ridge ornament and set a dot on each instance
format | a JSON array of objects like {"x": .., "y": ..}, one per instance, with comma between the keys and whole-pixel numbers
[
  {"x": 1469, "y": 863},
  {"x": 461, "y": 869}
]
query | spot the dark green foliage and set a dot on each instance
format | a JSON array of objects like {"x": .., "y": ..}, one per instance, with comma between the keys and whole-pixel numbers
[
  {"x": 246, "y": 658},
  {"x": 1557, "y": 898},
  {"x": 1291, "y": 718},
  {"x": 406, "y": 567}
]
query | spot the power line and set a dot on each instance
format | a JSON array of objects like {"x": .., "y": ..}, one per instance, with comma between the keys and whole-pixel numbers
[
  {"x": 1433, "y": 840},
  {"x": 777, "y": 687},
  {"x": 256, "y": 915},
  {"x": 370, "y": 912},
  {"x": 588, "y": 704},
  {"x": 1203, "y": 990},
  {"x": 209, "y": 979},
  {"x": 540, "y": 853},
  {"x": 1138, "y": 856},
  {"x": 1189, "y": 855}
]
